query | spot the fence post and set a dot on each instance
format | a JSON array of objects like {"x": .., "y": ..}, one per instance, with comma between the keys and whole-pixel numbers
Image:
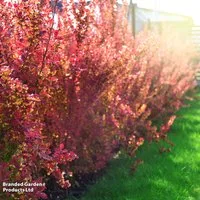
[{"x": 133, "y": 17}]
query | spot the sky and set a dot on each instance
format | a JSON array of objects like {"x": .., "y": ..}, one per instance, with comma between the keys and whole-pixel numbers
[{"x": 184, "y": 7}]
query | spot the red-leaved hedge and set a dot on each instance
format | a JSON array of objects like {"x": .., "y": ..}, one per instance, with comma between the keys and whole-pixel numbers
[{"x": 71, "y": 94}]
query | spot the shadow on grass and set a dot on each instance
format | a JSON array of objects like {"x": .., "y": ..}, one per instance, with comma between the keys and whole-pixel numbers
[{"x": 167, "y": 176}]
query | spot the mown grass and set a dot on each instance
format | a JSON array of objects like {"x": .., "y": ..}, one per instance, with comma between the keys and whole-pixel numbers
[{"x": 166, "y": 176}]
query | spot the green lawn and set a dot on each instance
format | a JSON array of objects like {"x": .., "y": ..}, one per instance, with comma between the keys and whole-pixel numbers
[{"x": 167, "y": 176}]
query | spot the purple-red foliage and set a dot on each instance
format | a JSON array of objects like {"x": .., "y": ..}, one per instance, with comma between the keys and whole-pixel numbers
[{"x": 72, "y": 93}]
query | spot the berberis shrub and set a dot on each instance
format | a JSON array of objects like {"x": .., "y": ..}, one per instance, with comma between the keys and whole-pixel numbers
[{"x": 75, "y": 86}]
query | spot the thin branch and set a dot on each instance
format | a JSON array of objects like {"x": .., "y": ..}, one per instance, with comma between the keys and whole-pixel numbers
[{"x": 49, "y": 38}]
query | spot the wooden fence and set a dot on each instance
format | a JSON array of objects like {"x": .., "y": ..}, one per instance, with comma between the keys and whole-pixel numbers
[{"x": 141, "y": 18}]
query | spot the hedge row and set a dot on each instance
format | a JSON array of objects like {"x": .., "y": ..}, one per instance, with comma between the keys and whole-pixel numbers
[{"x": 70, "y": 97}]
